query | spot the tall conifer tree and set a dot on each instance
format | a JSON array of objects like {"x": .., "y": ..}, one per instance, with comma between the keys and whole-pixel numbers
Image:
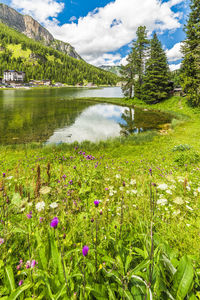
[
  {"x": 155, "y": 86},
  {"x": 191, "y": 52}
]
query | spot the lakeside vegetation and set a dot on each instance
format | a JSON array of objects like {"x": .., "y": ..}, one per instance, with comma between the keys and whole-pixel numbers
[{"x": 143, "y": 236}]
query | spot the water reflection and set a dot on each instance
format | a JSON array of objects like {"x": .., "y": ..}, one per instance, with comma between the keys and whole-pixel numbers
[
  {"x": 51, "y": 115},
  {"x": 95, "y": 123}
]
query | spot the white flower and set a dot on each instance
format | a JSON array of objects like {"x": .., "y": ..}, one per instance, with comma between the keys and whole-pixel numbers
[
  {"x": 121, "y": 188},
  {"x": 30, "y": 203},
  {"x": 195, "y": 194},
  {"x": 10, "y": 177},
  {"x": 188, "y": 188},
  {"x": 169, "y": 192},
  {"x": 40, "y": 206},
  {"x": 133, "y": 192},
  {"x": 23, "y": 209},
  {"x": 178, "y": 200},
  {"x": 133, "y": 182},
  {"x": 111, "y": 193},
  {"x": 53, "y": 205},
  {"x": 128, "y": 192},
  {"x": 177, "y": 212},
  {"x": 118, "y": 176},
  {"x": 198, "y": 190},
  {"x": 162, "y": 201},
  {"x": 181, "y": 180},
  {"x": 163, "y": 186}
]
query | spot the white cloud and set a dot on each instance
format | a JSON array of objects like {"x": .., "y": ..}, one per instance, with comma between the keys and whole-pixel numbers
[
  {"x": 106, "y": 29},
  {"x": 39, "y": 10},
  {"x": 174, "y": 67},
  {"x": 72, "y": 19},
  {"x": 174, "y": 53},
  {"x": 124, "y": 61}
]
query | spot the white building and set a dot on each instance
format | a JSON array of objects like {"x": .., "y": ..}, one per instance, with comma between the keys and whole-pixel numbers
[{"x": 13, "y": 76}]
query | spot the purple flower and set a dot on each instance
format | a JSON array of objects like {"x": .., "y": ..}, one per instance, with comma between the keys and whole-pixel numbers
[
  {"x": 123, "y": 183},
  {"x": 150, "y": 171},
  {"x": 96, "y": 203},
  {"x": 1, "y": 241},
  {"x": 21, "y": 282},
  {"x": 71, "y": 182},
  {"x": 74, "y": 167},
  {"x": 106, "y": 189},
  {"x": 33, "y": 263},
  {"x": 41, "y": 219},
  {"x": 28, "y": 264},
  {"x": 4, "y": 174},
  {"x": 85, "y": 250},
  {"x": 29, "y": 216},
  {"x": 64, "y": 176},
  {"x": 54, "y": 222}
]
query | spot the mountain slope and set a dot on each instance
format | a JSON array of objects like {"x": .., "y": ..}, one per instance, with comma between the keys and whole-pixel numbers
[
  {"x": 19, "y": 52},
  {"x": 32, "y": 29},
  {"x": 113, "y": 69}
]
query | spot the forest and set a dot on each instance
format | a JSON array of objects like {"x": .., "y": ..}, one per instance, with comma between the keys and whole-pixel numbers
[{"x": 18, "y": 52}]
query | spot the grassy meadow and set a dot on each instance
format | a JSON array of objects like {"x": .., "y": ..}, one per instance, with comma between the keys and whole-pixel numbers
[{"x": 113, "y": 220}]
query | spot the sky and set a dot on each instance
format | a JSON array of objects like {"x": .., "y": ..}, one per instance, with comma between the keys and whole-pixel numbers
[{"x": 102, "y": 31}]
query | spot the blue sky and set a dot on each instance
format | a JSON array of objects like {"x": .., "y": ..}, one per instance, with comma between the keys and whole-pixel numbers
[{"x": 102, "y": 31}]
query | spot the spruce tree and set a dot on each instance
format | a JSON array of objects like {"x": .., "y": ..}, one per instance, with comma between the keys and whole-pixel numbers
[
  {"x": 155, "y": 86},
  {"x": 191, "y": 52}
]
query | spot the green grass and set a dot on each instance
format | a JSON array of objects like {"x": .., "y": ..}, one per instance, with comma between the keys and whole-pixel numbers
[
  {"x": 18, "y": 52},
  {"x": 118, "y": 231}
]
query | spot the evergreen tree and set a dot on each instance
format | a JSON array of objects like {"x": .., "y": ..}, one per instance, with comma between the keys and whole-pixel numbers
[
  {"x": 128, "y": 73},
  {"x": 155, "y": 87},
  {"x": 141, "y": 46},
  {"x": 191, "y": 52}
]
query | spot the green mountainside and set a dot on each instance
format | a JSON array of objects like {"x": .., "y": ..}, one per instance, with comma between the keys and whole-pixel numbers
[
  {"x": 18, "y": 52},
  {"x": 113, "y": 69}
]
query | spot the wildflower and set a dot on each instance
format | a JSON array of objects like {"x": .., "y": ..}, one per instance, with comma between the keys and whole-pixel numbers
[
  {"x": 162, "y": 201},
  {"x": 21, "y": 282},
  {"x": 96, "y": 203},
  {"x": 169, "y": 192},
  {"x": 163, "y": 186},
  {"x": 150, "y": 171},
  {"x": 33, "y": 263},
  {"x": 133, "y": 192},
  {"x": 101, "y": 212},
  {"x": 118, "y": 176},
  {"x": 41, "y": 219},
  {"x": 54, "y": 222},
  {"x": 124, "y": 184},
  {"x": 85, "y": 250},
  {"x": 28, "y": 264},
  {"x": 53, "y": 205},
  {"x": 1, "y": 241},
  {"x": 64, "y": 176},
  {"x": 132, "y": 182},
  {"x": 188, "y": 207},
  {"x": 40, "y": 206},
  {"x": 178, "y": 200},
  {"x": 71, "y": 182},
  {"x": 29, "y": 216}
]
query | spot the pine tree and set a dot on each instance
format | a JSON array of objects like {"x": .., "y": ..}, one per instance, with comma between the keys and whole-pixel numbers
[
  {"x": 155, "y": 87},
  {"x": 191, "y": 52}
]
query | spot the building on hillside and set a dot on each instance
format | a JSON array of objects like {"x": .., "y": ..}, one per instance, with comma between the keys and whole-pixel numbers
[
  {"x": 46, "y": 82},
  {"x": 13, "y": 76}
]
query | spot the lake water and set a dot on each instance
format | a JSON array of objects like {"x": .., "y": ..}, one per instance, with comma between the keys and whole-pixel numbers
[{"x": 55, "y": 116}]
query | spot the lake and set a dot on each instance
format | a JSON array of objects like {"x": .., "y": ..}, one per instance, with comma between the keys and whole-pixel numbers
[{"x": 55, "y": 116}]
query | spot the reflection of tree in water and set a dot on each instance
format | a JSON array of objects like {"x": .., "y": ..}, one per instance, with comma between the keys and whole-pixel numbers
[
  {"x": 128, "y": 126},
  {"x": 137, "y": 120}
]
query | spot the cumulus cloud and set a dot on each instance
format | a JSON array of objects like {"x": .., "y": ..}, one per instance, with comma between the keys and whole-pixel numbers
[
  {"x": 106, "y": 29},
  {"x": 39, "y": 10},
  {"x": 174, "y": 53},
  {"x": 174, "y": 67}
]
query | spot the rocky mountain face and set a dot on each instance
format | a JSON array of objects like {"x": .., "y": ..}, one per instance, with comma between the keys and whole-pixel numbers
[{"x": 32, "y": 29}]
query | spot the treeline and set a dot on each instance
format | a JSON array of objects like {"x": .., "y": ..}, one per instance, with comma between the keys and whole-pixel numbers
[
  {"x": 60, "y": 68},
  {"x": 147, "y": 73}
]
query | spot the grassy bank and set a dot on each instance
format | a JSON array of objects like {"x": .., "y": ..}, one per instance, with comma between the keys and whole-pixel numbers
[{"x": 143, "y": 235}]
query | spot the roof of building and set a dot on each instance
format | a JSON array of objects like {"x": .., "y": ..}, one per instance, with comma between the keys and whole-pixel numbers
[{"x": 12, "y": 71}]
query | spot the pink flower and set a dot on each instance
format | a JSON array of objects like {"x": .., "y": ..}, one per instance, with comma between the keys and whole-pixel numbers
[
  {"x": 1, "y": 241},
  {"x": 33, "y": 263},
  {"x": 85, "y": 250},
  {"x": 21, "y": 282}
]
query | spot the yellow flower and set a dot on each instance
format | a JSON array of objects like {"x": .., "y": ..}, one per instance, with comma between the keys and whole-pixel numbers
[
  {"x": 10, "y": 250},
  {"x": 19, "y": 272}
]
